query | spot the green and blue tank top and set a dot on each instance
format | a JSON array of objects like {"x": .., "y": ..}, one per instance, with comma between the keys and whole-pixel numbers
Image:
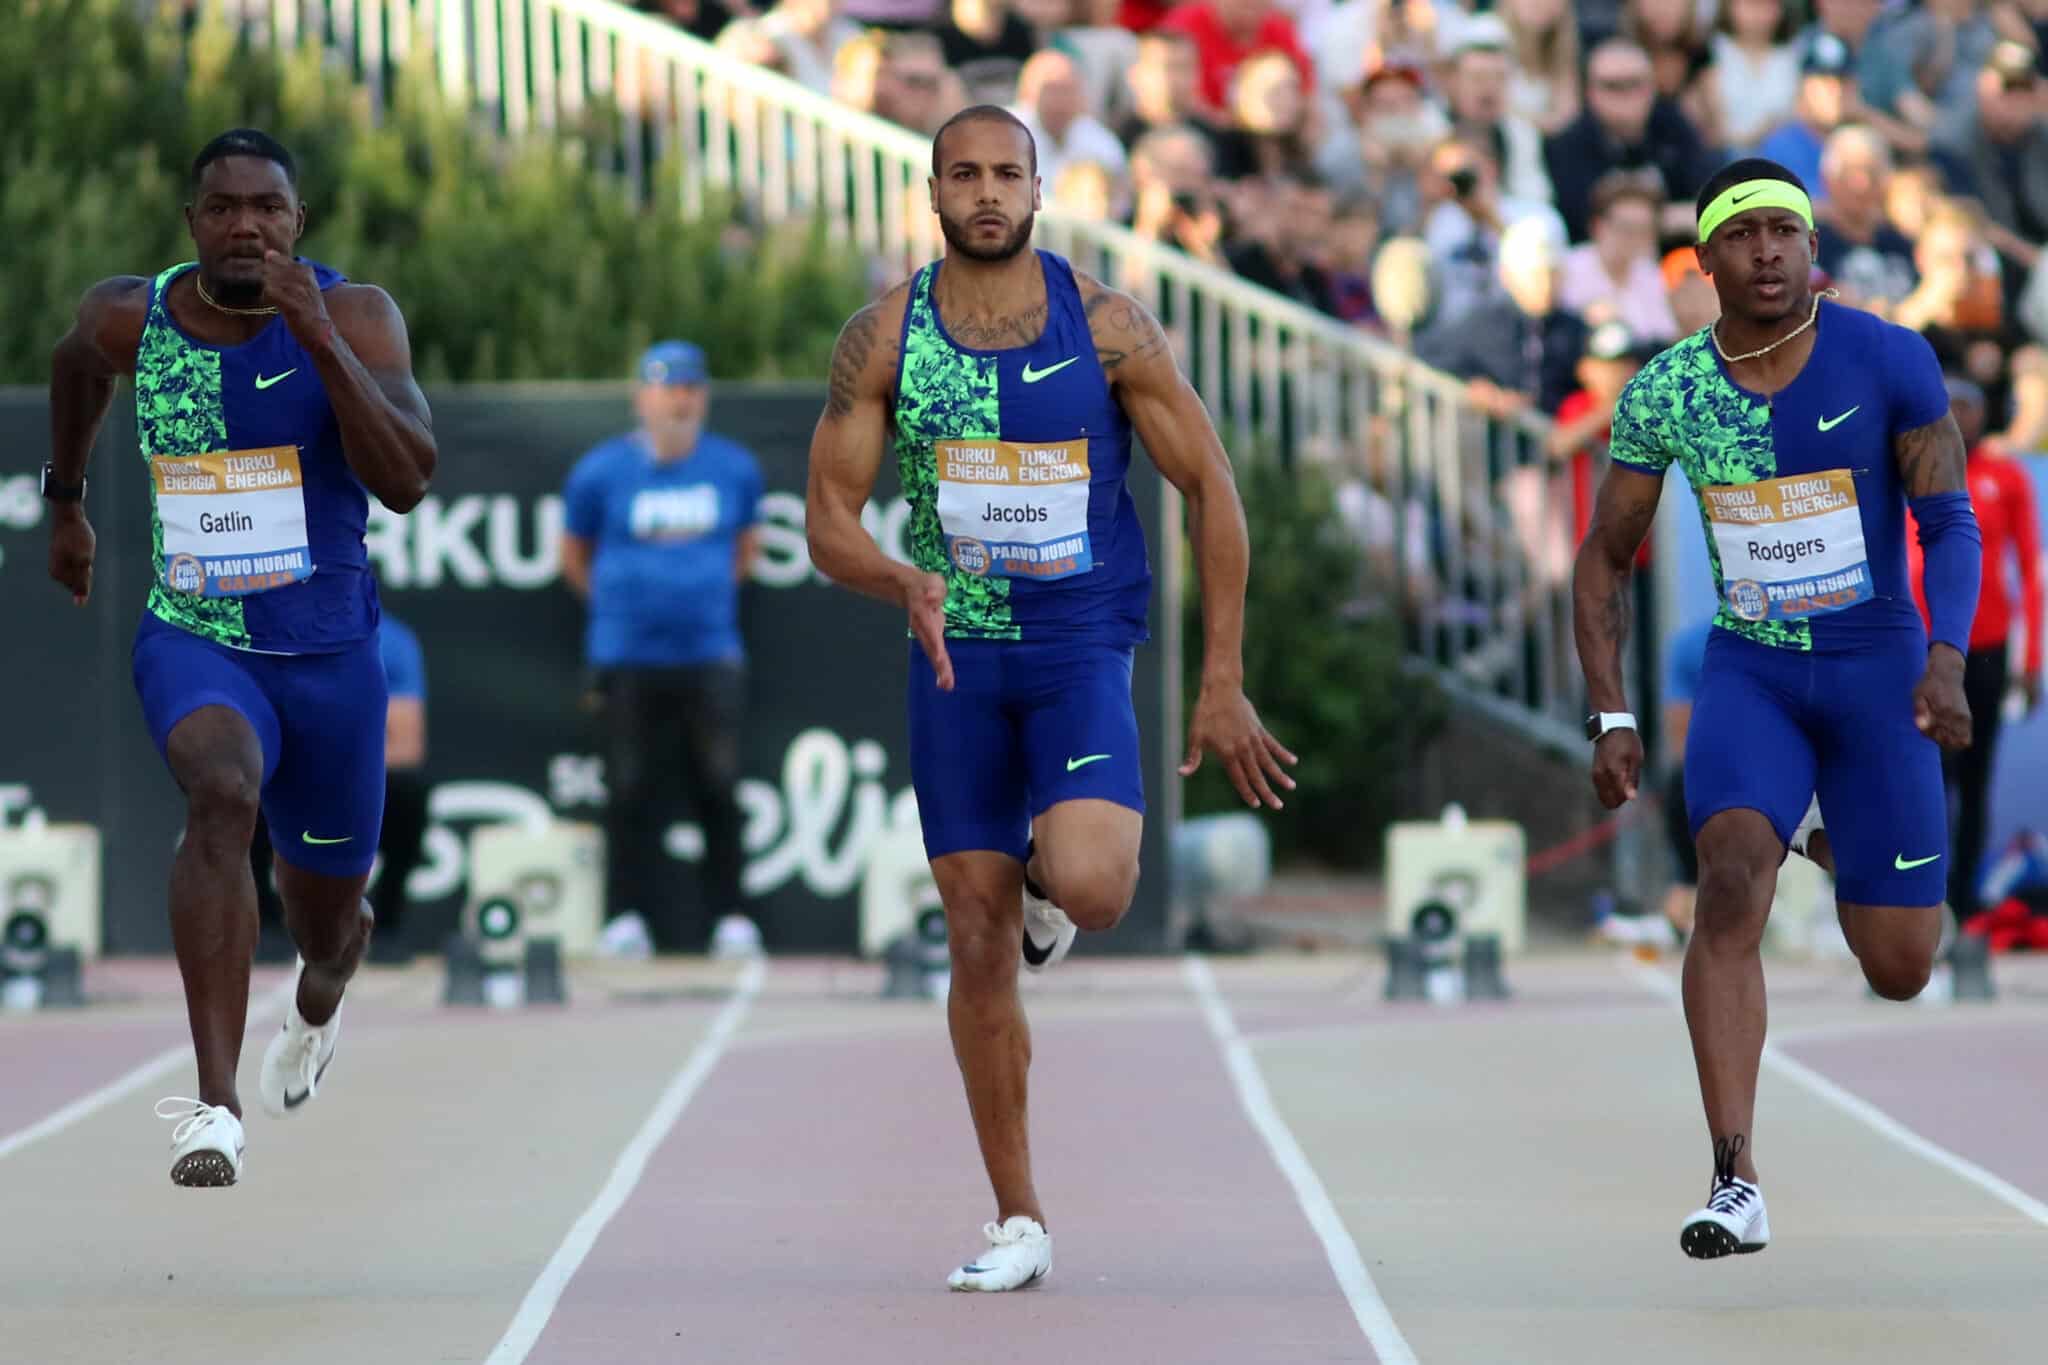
[
  {"x": 1799, "y": 492},
  {"x": 1014, "y": 463},
  {"x": 256, "y": 519}
]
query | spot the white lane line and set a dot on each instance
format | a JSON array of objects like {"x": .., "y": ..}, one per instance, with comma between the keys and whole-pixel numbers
[
  {"x": 1349, "y": 1267},
  {"x": 539, "y": 1305},
  {"x": 259, "y": 1009},
  {"x": 1862, "y": 1110}
]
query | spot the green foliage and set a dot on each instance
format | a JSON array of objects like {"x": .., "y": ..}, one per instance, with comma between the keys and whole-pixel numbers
[
  {"x": 1327, "y": 678},
  {"x": 512, "y": 259}
]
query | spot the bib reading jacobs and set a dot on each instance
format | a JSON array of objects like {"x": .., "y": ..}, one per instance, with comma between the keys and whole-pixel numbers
[
  {"x": 1015, "y": 509},
  {"x": 234, "y": 521},
  {"x": 1791, "y": 548}
]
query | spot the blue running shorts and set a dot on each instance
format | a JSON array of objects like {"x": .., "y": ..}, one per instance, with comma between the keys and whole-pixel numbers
[
  {"x": 1025, "y": 727},
  {"x": 318, "y": 717},
  {"x": 1774, "y": 727}
]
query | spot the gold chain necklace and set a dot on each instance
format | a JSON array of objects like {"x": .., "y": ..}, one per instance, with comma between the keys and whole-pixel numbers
[
  {"x": 1715, "y": 333},
  {"x": 200, "y": 283}
]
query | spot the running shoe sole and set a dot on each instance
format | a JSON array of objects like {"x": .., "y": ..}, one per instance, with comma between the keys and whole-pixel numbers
[
  {"x": 1704, "y": 1241},
  {"x": 203, "y": 1170}
]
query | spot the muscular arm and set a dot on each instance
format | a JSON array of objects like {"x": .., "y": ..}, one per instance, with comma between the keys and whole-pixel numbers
[
  {"x": 365, "y": 362},
  {"x": 846, "y": 454},
  {"x": 1622, "y": 514},
  {"x": 1171, "y": 420},
  {"x": 1932, "y": 458},
  {"x": 99, "y": 348}
]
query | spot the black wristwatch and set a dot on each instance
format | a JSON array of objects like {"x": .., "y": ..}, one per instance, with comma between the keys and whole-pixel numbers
[{"x": 55, "y": 491}]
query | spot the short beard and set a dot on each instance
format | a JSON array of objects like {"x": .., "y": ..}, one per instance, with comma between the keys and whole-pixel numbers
[{"x": 957, "y": 238}]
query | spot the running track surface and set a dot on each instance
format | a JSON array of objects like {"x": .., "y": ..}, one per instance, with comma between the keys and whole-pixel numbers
[{"x": 1252, "y": 1160}]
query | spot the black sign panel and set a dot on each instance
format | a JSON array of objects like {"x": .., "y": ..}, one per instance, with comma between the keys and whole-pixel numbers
[{"x": 475, "y": 571}]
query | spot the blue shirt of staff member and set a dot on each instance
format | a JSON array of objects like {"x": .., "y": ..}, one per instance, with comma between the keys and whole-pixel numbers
[{"x": 660, "y": 532}]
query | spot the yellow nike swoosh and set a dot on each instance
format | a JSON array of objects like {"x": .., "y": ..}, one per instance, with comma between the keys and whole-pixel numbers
[
  {"x": 1830, "y": 423},
  {"x": 265, "y": 381},
  {"x": 308, "y": 837},
  {"x": 1074, "y": 763},
  {"x": 1899, "y": 861}
]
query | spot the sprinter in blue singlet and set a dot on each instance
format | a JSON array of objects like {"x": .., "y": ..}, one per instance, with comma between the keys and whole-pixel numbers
[
  {"x": 1804, "y": 430},
  {"x": 1009, "y": 387},
  {"x": 272, "y": 400}
]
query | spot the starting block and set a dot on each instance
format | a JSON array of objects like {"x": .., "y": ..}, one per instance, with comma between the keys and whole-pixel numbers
[
  {"x": 1427, "y": 966},
  {"x": 918, "y": 963},
  {"x": 49, "y": 914},
  {"x": 492, "y": 963},
  {"x": 1969, "y": 961}
]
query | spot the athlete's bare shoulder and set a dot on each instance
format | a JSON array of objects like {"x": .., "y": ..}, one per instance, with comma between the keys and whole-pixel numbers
[
  {"x": 1125, "y": 334},
  {"x": 865, "y": 355},
  {"x": 108, "y": 329},
  {"x": 1129, "y": 340}
]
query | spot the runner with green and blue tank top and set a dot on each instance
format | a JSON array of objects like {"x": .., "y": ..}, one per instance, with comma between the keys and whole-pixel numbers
[
  {"x": 1803, "y": 429},
  {"x": 1013, "y": 462},
  {"x": 1010, "y": 390},
  {"x": 272, "y": 399}
]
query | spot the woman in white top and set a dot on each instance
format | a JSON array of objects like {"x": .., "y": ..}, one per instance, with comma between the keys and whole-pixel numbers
[
  {"x": 1545, "y": 86},
  {"x": 1755, "y": 84}
]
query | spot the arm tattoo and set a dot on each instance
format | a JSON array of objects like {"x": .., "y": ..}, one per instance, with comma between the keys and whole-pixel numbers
[
  {"x": 1125, "y": 332},
  {"x": 849, "y": 358},
  {"x": 1931, "y": 458}
]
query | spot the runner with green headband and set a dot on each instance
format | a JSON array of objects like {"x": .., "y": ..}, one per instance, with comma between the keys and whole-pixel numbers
[{"x": 1804, "y": 428}]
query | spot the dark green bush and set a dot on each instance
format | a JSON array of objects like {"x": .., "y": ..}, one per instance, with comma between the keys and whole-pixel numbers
[
  {"x": 1327, "y": 678},
  {"x": 511, "y": 259}
]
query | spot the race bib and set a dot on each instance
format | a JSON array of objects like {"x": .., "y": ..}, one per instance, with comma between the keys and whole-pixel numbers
[
  {"x": 1790, "y": 548},
  {"x": 234, "y": 521},
  {"x": 1011, "y": 509}
]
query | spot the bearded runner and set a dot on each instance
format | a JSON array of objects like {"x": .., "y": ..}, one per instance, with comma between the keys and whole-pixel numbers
[{"x": 1012, "y": 386}]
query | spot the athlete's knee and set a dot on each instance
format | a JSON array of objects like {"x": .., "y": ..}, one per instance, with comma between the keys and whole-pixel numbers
[
  {"x": 1898, "y": 975},
  {"x": 983, "y": 942},
  {"x": 1096, "y": 892},
  {"x": 1732, "y": 904},
  {"x": 221, "y": 800}
]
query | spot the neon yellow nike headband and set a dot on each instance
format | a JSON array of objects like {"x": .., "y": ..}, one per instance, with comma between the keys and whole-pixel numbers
[{"x": 1755, "y": 194}]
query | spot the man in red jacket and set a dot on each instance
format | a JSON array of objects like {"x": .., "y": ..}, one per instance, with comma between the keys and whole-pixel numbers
[
  {"x": 2003, "y": 498},
  {"x": 1228, "y": 31}
]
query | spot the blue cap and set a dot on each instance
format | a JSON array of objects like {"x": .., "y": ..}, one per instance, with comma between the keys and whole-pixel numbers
[{"x": 673, "y": 362}]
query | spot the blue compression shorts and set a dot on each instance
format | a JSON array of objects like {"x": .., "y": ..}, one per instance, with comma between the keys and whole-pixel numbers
[
  {"x": 1025, "y": 727},
  {"x": 1774, "y": 727},
  {"x": 318, "y": 717}
]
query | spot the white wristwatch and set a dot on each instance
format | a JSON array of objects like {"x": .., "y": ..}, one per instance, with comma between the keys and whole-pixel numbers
[{"x": 1600, "y": 722}]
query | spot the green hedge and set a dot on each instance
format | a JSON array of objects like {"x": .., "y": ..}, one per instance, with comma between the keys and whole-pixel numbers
[
  {"x": 1328, "y": 680},
  {"x": 511, "y": 260}
]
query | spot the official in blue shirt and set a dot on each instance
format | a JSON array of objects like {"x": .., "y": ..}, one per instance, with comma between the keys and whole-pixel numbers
[
  {"x": 405, "y": 784},
  {"x": 660, "y": 535}
]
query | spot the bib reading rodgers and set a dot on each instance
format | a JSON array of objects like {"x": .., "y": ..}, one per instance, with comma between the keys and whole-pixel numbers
[
  {"x": 234, "y": 521},
  {"x": 1012, "y": 509},
  {"x": 1791, "y": 548}
]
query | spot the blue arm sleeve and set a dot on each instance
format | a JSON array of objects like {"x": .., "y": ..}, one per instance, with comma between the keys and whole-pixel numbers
[{"x": 1954, "y": 550}]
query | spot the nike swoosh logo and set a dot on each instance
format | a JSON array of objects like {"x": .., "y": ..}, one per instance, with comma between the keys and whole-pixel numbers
[
  {"x": 308, "y": 837},
  {"x": 1034, "y": 954},
  {"x": 263, "y": 382},
  {"x": 1074, "y": 763},
  {"x": 1830, "y": 423},
  {"x": 292, "y": 1101},
  {"x": 1740, "y": 197},
  {"x": 1899, "y": 861},
  {"x": 1032, "y": 376}
]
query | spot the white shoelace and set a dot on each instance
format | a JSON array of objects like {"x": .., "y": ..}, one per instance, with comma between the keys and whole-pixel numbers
[
  {"x": 1000, "y": 1236},
  {"x": 193, "y": 1114}
]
